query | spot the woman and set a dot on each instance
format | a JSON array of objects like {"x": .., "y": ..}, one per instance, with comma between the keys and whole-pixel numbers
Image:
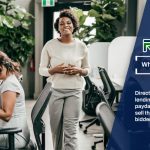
[
  {"x": 12, "y": 102},
  {"x": 65, "y": 61}
]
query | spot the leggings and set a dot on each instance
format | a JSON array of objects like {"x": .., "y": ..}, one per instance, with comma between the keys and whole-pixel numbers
[{"x": 64, "y": 109}]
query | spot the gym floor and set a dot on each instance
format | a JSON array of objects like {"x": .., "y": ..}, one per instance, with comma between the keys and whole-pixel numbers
[{"x": 85, "y": 140}]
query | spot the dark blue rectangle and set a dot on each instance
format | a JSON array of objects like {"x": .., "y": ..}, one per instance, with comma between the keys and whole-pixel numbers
[{"x": 146, "y": 40}]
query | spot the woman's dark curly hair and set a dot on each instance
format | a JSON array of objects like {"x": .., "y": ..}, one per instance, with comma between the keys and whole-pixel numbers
[
  {"x": 67, "y": 13},
  {"x": 10, "y": 65}
]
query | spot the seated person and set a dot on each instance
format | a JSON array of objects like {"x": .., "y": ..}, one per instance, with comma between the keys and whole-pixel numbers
[{"x": 12, "y": 102}]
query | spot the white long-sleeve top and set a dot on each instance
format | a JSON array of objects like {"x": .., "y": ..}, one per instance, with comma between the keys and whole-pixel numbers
[{"x": 55, "y": 53}]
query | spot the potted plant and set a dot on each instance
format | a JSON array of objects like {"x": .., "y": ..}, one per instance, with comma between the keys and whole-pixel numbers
[
  {"x": 16, "y": 39},
  {"x": 107, "y": 14}
]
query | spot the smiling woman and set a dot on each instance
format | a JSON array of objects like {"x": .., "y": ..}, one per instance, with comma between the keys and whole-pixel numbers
[{"x": 64, "y": 61}]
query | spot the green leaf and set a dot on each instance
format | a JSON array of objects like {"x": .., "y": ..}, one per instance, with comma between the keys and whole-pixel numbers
[
  {"x": 1, "y": 20},
  {"x": 77, "y": 12},
  {"x": 82, "y": 19},
  {"x": 92, "y": 40},
  {"x": 93, "y": 13},
  {"x": 18, "y": 15},
  {"x": 108, "y": 17},
  {"x": 8, "y": 21},
  {"x": 25, "y": 25}
]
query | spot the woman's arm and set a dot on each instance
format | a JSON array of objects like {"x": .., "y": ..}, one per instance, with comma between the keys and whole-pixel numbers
[
  {"x": 85, "y": 64},
  {"x": 44, "y": 62},
  {"x": 44, "y": 70},
  {"x": 8, "y": 103}
]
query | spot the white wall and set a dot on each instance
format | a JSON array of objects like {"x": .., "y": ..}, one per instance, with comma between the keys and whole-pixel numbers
[
  {"x": 119, "y": 54},
  {"x": 140, "y": 9},
  {"x": 25, "y": 4},
  {"x": 98, "y": 56}
]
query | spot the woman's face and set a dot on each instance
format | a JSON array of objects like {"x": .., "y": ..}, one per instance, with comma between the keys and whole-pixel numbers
[
  {"x": 65, "y": 26},
  {"x": 3, "y": 73}
]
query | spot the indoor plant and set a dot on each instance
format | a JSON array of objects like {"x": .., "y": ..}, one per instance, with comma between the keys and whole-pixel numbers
[
  {"x": 16, "y": 39},
  {"x": 107, "y": 14}
]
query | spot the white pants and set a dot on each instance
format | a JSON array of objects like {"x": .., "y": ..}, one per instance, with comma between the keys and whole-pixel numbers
[{"x": 64, "y": 108}]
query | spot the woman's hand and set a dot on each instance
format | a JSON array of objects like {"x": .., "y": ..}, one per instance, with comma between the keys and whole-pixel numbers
[
  {"x": 72, "y": 70},
  {"x": 69, "y": 70},
  {"x": 57, "y": 69}
]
